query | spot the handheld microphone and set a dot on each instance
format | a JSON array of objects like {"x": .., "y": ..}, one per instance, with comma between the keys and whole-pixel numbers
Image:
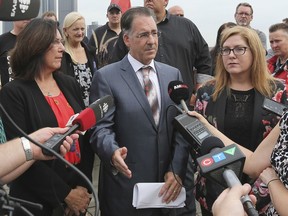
[
  {"x": 190, "y": 127},
  {"x": 179, "y": 93},
  {"x": 14, "y": 10},
  {"x": 84, "y": 121},
  {"x": 224, "y": 165}
]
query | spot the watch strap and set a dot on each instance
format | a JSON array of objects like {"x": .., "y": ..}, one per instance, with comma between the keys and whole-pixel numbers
[{"x": 27, "y": 148}]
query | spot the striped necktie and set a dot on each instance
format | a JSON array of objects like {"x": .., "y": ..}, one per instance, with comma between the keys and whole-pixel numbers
[{"x": 151, "y": 93}]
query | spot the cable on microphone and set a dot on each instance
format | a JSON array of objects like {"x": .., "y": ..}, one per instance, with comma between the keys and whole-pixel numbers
[
  {"x": 190, "y": 127},
  {"x": 58, "y": 156}
]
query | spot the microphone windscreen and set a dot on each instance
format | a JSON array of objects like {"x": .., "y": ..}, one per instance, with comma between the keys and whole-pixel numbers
[
  {"x": 13, "y": 10},
  {"x": 89, "y": 116},
  {"x": 86, "y": 119},
  {"x": 178, "y": 91},
  {"x": 210, "y": 143}
]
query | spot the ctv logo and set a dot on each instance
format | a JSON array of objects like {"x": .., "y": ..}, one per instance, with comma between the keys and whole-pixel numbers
[{"x": 206, "y": 162}]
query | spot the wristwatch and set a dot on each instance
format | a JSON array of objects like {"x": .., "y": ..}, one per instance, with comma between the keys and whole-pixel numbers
[{"x": 27, "y": 148}]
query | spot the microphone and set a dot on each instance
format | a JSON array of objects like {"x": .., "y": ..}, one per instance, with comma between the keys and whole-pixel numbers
[
  {"x": 224, "y": 165},
  {"x": 84, "y": 121},
  {"x": 190, "y": 127},
  {"x": 14, "y": 10},
  {"x": 179, "y": 93}
]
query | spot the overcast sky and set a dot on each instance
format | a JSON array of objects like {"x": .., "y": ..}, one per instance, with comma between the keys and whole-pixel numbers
[{"x": 208, "y": 15}]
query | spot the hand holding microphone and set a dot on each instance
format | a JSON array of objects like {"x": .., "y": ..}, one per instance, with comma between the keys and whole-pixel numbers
[
  {"x": 228, "y": 202},
  {"x": 84, "y": 121},
  {"x": 220, "y": 164}
]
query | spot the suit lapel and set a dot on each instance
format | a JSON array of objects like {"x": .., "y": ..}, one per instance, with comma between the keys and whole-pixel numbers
[{"x": 163, "y": 89}]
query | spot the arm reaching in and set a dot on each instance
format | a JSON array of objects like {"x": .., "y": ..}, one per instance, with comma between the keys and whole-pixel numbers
[
  {"x": 256, "y": 161},
  {"x": 13, "y": 161},
  {"x": 228, "y": 203}
]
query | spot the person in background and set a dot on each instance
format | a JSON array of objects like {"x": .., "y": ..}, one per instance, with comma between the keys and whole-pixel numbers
[
  {"x": 243, "y": 17},
  {"x": 268, "y": 163},
  {"x": 176, "y": 10},
  {"x": 231, "y": 101},
  {"x": 270, "y": 52},
  {"x": 15, "y": 160},
  {"x": 135, "y": 141},
  {"x": 214, "y": 52},
  {"x": 7, "y": 42},
  {"x": 50, "y": 15},
  {"x": 41, "y": 96},
  {"x": 278, "y": 36},
  {"x": 79, "y": 59},
  {"x": 105, "y": 37}
]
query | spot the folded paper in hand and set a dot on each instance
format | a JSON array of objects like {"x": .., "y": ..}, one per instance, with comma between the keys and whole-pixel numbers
[{"x": 145, "y": 195}]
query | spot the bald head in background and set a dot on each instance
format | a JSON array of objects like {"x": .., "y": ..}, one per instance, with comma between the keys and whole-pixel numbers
[{"x": 176, "y": 10}]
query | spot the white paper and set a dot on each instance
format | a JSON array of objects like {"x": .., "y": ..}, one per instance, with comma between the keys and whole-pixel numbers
[{"x": 145, "y": 195}]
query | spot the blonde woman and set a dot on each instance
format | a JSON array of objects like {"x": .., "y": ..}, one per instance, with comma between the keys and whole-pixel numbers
[
  {"x": 232, "y": 101},
  {"x": 79, "y": 59}
]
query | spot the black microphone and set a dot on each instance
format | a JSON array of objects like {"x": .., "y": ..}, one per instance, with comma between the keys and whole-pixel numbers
[
  {"x": 190, "y": 127},
  {"x": 84, "y": 121},
  {"x": 179, "y": 93},
  {"x": 224, "y": 165},
  {"x": 14, "y": 10}
]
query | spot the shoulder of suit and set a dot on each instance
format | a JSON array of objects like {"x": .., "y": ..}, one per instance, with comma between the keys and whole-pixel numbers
[{"x": 160, "y": 64}]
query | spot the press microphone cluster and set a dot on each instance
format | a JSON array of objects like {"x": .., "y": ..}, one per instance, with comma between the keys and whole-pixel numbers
[
  {"x": 224, "y": 165},
  {"x": 82, "y": 122},
  {"x": 14, "y": 10}
]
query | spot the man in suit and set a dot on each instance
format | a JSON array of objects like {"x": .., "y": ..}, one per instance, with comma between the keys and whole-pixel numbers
[{"x": 133, "y": 145}]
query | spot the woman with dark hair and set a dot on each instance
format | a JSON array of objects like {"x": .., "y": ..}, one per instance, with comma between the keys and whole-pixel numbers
[
  {"x": 215, "y": 50},
  {"x": 40, "y": 96}
]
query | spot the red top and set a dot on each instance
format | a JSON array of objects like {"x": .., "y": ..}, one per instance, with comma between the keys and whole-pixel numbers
[{"x": 63, "y": 111}]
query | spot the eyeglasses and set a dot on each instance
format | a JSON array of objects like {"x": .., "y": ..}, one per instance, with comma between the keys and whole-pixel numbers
[
  {"x": 146, "y": 35},
  {"x": 243, "y": 14},
  {"x": 237, "y": 51}
]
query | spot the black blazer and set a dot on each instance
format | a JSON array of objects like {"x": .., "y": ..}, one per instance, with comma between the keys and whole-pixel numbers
[
  {"x": 45, "y": 182},
  {"x": 67, "y": 66}
]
